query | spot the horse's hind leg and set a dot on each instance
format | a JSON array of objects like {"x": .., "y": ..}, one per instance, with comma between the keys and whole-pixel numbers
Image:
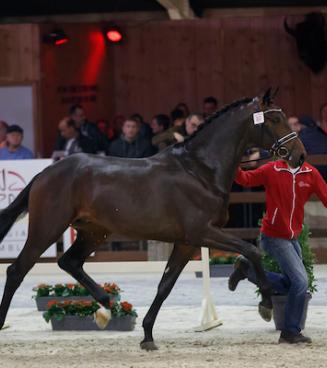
[
  {"x": 178, "y": 259},
  {"x": 40, "y": 237},
  {"x": 72, "y": 261},
  {"x": 217, "y": 238}
]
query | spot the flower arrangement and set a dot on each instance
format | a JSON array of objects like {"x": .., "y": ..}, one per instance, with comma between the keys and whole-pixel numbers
[
  {"x": 68, "y": 290},
  {"x": 59, "y": 310},
  {"x": 222, "y": 260}
]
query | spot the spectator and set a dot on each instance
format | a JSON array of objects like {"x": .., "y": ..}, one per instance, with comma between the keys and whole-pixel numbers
[
  {"x": 178, "y": 133},
  {"x": 130, "y": 144},
  {"x": 3, "y": 133},
  {"x": 145, "y": 129},
  {"x": 14, "y": 149},
  {"x": 117, "y": 123},
  {"x": 86, "y": 128},
  {"x": 323, "y": 118},
  {"x": 294, "y": 123},
  {"x": 182, "y": 106},
  {"x": 105, "y": 128},
  {"x": 177, "y": 117},
  {"x": 74, "y": 141},
  {"x": 159, "y": 123},
  {"x": 210, "y": 105},
  {"x": 314, "y": 137}
]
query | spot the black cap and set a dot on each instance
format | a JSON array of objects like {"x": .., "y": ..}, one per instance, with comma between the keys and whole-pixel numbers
[
  {"x": 15, "y": 128},
  {"x": 307, "y": 121}
]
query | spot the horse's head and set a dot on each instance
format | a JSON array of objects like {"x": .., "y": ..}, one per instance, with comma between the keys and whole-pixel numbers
[{"x": 272, "y": 132}]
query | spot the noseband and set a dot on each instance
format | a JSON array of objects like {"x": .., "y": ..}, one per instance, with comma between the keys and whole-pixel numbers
[{"x": 279, "y": 148}]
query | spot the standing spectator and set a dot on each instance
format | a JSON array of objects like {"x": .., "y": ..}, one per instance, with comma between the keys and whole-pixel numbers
[
  {"x": 314, "y": 137},
  {"x": 182, "y": 106},
  {"x": 294, "y": 123},
  {"x": 3, "y": 133},
  {"x": 86, "y": 128},
  {"x": 159, "y": 123},
  {"x": 130, "y": 144},
  {"x": 210, "y": 105},
  {"x": 74, "y": 141},
  {"x": 178, "y": 133},
  {"x": 177, "y": 117},
  {"x": 14, "y": 149},
  {"x": 145, "y": 129}
]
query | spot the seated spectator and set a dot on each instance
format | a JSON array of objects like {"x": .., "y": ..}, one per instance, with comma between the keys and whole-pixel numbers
[
  {"x": 182, "y": 106},
  {"x": 177, "y": 117},
  {"x": 159, "y": 123},
  {"x": 14, "y": 149},
  {"x": 313, "y": 137},
  {"x": 87, "y": 129},
  {"x": 210, "y": 105},
  {"x": 117, "y": 123},
  {"x": 145, "y": 129},
  {"x": 130, "y": 144},
  {"x": 3, "y": 134},
  {"x": 75, "y": 142},
  {"x": 178, "y": 133},
  {"x": 294, "y": 123}
]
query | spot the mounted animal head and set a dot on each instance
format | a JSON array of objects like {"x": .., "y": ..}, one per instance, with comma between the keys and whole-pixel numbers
[
  {"x": 310, "y": 40},
  {"x": 271, "y": 131}
]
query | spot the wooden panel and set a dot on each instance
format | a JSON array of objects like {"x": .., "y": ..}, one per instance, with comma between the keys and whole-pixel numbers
[{"x": 19, "y": 48}]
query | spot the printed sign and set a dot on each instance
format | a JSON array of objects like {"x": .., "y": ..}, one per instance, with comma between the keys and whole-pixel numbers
[
  {"x": 14, "y": 176},
  {"x": 258, "y": 118}
]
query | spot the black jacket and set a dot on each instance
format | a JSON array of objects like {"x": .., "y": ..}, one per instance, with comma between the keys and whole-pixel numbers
[{"x": 139, "y": 148}]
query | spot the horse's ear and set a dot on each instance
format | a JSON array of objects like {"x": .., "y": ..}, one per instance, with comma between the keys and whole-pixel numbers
[
  {"x": 274, "y": 93},
  {"x": 266, "y": 99}
]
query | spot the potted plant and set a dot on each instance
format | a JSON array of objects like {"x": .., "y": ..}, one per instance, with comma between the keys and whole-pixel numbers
[
  {"x": 62, "y": 292},
  {"x": 220, "y": 266},
  {"x": 79, "y": 315},
  {"x": 279, "y": 301}
]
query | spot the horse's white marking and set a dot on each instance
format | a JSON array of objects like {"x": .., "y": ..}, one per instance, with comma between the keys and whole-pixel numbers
[
  {"x": 116, "y": 209},
  {"x": 167, "y": 270}
]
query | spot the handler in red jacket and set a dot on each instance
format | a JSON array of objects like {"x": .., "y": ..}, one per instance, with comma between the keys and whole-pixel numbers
[{"x": 287, "y": 191}]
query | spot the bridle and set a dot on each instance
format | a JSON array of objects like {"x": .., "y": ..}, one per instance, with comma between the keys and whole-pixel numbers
[{"x": 278, "y": 148}]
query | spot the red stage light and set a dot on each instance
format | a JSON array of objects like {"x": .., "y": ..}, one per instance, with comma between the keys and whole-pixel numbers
[
  {"x": 113, "y": 35},
  {"x": 62, "y": 41}
]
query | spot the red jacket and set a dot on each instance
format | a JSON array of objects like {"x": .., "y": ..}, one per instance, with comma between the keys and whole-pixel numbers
[{"x": 286, "y": 195}]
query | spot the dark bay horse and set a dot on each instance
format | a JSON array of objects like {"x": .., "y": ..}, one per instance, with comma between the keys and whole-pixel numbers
[{"x": 180, "y": 195}]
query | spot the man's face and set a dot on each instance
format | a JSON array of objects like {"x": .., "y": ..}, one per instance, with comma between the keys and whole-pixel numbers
[
  {"x": 294, "y": 124},
  {"x": 156, "y": 128},
  {"x": 192, "y": 124},
  {"x": 66, "y": 131},
  {"x": 79, "y": 116},
  {"x": 15, "y": 139},
  {"x": 209, "y": 108},
  {"x": 130, "y": 129}
]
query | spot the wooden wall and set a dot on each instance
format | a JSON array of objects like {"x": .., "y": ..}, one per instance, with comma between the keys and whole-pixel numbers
[
  {"x": 160, "y": 64},
  {"x": 167, "y": 62}
]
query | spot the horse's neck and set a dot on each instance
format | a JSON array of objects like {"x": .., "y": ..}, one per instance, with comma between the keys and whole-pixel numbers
[{"x": 220, "y": 147}]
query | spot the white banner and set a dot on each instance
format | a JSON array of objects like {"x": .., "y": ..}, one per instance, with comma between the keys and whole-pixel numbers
[{"x": 14, "y": 176}]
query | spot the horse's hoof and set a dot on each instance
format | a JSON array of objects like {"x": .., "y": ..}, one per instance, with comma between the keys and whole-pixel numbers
[{"x": 148, "y": 345}]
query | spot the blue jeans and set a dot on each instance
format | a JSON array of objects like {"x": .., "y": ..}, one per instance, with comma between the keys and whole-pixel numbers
[{"x": 293, "y": 281}]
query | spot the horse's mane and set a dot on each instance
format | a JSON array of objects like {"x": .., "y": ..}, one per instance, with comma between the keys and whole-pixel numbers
[{"x": 213, "y": 116}]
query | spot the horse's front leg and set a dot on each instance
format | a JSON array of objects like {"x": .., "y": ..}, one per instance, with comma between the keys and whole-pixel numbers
[
  {"x": 218, "y": 238},
  {"x": 177, "y": 261}
]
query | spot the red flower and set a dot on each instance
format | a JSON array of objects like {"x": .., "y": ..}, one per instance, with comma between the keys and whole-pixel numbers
[
  {"x": 51, "y": 303},
  {"x": 127, "y": 307}
]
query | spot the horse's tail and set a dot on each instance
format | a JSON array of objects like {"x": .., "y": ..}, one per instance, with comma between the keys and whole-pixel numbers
[{"x": 9, "y": 215}]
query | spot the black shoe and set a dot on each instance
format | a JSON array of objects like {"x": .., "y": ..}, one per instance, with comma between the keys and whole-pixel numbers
[
  {"x": 240, "y": 267},
  {"x": 287, "y": 337},
  {"x": 265, "y": 312}
]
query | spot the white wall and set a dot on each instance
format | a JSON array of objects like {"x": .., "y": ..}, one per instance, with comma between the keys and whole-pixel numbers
[{"x": 16, "y": 107}]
